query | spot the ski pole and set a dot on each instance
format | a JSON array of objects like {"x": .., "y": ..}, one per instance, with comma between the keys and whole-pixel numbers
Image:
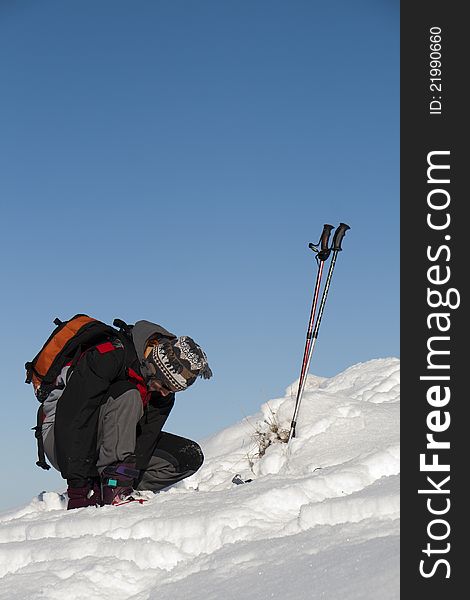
[
  {"x": 337, "y": 239},
  {"x": 321, "y": 257}
]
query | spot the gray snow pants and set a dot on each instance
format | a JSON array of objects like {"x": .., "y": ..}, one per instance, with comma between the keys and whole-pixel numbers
[{"x": 174, "y": 457}]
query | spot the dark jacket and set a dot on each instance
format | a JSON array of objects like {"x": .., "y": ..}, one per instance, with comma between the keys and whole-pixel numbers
[{"x": 107, "y": 370}]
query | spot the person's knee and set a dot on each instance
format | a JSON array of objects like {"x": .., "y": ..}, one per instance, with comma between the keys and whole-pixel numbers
[{"x": 192, "y": 457}]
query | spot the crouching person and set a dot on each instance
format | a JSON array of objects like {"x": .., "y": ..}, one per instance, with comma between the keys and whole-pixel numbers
[{"x": 103, "y": 423}]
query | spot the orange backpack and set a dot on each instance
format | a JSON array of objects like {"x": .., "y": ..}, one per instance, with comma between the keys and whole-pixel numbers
[{"x": 65, "y": 344}]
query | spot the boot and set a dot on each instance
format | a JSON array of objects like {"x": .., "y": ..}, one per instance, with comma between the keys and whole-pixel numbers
[
  {"x": 84, "y": 495},
  {"x": 117, "y": 481}
]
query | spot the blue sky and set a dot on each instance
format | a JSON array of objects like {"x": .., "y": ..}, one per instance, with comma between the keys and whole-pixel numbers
[{"x": 171, "y": 161}]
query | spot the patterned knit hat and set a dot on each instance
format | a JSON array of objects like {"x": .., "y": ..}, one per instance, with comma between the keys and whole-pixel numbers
[{"x": 177, "y": 363}]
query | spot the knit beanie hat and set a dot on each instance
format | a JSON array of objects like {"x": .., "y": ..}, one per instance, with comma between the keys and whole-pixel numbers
[{"x": 177, "y": 363}]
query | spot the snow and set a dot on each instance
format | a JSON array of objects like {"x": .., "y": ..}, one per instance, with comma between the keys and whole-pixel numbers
[{"x": 319, "y": 520}]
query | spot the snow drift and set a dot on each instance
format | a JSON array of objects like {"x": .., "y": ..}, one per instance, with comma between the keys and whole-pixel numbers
[{"x": 320, "y": 518}]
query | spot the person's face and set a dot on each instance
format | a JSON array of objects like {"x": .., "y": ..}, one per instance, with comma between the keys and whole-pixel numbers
[{"x": 154, "y": 385}]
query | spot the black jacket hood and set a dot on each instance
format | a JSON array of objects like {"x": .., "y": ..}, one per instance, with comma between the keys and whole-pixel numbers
[{"x": 142, "y": 331}]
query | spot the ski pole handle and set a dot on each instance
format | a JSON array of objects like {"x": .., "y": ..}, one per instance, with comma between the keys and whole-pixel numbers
[
  {"x": 325, "y": 237},
  {"x": 338, "y": 237},
  {"x": 324, "y": 251}
]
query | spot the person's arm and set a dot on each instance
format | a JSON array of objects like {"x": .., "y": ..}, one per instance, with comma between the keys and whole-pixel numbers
[{"x": 150, "y": 426}]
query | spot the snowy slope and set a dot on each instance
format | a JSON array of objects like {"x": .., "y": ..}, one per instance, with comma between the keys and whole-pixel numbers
[{"x": 319, "y": 520}]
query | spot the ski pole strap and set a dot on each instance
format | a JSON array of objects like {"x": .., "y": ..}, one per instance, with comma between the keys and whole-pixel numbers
[{"x": 41, "y": 462}]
